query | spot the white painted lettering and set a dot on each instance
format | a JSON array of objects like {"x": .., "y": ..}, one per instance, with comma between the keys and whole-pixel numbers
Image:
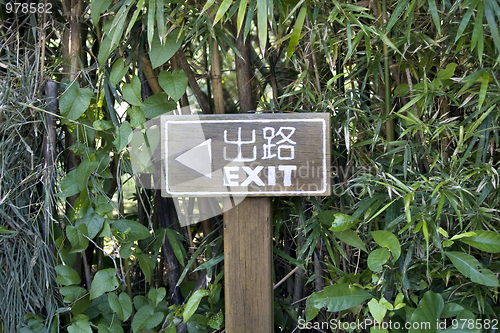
[
  {"x": 230, "y": 174},
  {"x": 287, "y": 173},
  {"x": 253, "y": 176},
  {"x": 271, "y": 176}
]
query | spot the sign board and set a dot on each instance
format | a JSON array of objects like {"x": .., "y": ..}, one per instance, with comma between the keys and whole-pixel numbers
[{"x": 248, "y": 155}]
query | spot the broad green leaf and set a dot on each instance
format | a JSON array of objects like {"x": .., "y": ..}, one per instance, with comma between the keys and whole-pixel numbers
[
  {"x": 102, "y": 125},
  {"x": 97, "y": 7},
  {"x": 216, "y": 320},
  {"x": 74, "y": 101},
  {"x": 464, "y": 235},
  {"x": 388, "y": 240},
  {"x": 335, "y": 298},
  {"x": 224, "y": 6},
  {"x": 137, "y": 118},
  {"x": 134, "y": 230},
  {"x": 428, "y": 311},
  {"x": 377, "y": 310},
  {"x": 66, "y": 275},
  {"x": 146, "y": 318},
  {"x": 76, "y": 237},
  {"x": 132, "y": 91},
  {"x": 472, "y": 268},
  {"x": 93, "y": 221},
  {"x": 72, "y": 293},
  {"x": 157, "y": 104},
  {"x": 262, "y": 24},
  {"x": 448, "y": 72},
  {"x": 173, "y": 237},
  {"x": 174, "y": 84},
  {"x": 103, "y": 205},
  {"x": 340, "y": 222},
  {"x": 193, "y": 303},
  {"x": 104, "y": 280},
  {"x": 118, "y": 71},
  {"x": 157, "y": 295},
  {"x": 161, "y": 53},
  {"x": 484, "y": 240},
  {"x": 122, "y": 305},
  {"x": 69, "y": 185},
  {"x": 377, "y": 258},
  {"x": 297, "y": 30},
  {"x": 80, "y": 326},
  {"x": 350, "y": 237},
  {"x": 122, "y": 136}
]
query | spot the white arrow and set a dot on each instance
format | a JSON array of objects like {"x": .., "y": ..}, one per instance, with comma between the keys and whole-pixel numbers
[{"x": 199, "y": 158}]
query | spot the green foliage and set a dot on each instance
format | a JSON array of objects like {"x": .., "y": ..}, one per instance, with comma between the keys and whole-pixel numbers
[{"x": 410, "y": 233}]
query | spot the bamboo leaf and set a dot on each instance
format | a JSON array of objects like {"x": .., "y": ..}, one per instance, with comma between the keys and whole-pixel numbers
[
  {"x": 472, "y": 268},
  {"x": 466, "y": 19},
  {"x": 262, "y": 24},
  {"x": 241, "y": 15},
  {"x": 483, "y": 89},
  {"x": 193, "y": 303},
  {"x": 224, "y": 6},
  {"x": 176, "y": 247},
  {"x": 297, "y": 29},
  {"x": 490, "y": 18},
  {"x": 151, "y": 25},
  {"x": 401, "y": 5},
  {"x": 132, "y": 21},
  {"x": 160, "y": 19}
]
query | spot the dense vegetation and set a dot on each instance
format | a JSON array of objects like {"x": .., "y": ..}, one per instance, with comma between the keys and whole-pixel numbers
[{"x": 409, "y": 235}]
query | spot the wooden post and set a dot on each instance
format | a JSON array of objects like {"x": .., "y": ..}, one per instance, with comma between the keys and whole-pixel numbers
[{"x": 248, "y": 266}]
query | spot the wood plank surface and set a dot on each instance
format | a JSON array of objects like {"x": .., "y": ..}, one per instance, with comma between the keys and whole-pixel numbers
[
  {"x": 247, "y": 155},
  {"x": 248, "y": 266}
]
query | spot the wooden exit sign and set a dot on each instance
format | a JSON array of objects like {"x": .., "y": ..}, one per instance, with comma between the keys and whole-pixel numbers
[{"x": 250, "y": 155}]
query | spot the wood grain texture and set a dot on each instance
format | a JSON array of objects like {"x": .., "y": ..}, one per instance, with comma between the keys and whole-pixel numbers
[
  {"x": 288, "y": 153},
  {"x": 248, "y": 266}
]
